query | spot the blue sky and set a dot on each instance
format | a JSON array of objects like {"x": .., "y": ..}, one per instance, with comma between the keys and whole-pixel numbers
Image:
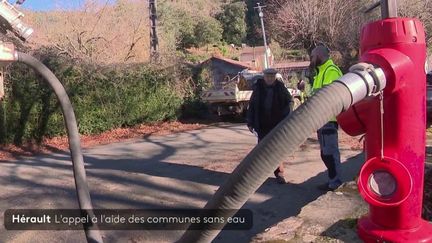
[{"x": 46, "y": 5}]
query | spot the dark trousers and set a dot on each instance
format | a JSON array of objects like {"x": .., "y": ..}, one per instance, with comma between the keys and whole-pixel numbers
[
  {"x": 280, "y": 170},
  {"x": 328, "y": 139}
]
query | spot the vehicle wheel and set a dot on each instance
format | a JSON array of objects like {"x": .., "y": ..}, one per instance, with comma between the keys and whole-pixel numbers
[
  {"x": 227, "y": 118},
  {"x": 244, "y": 109}
]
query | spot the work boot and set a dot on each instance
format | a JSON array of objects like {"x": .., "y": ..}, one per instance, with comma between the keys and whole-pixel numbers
[
  {"x": 279, "y": 174},
  {"x": 325, "y": 187},
  {"x": 330, "y": 186},
  {"x": 280, "y": 180}
]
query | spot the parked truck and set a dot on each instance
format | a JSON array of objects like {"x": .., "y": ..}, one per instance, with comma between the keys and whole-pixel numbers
[
  {"x": 232, "y": 98},
  {"x": 234, "y": 95}
]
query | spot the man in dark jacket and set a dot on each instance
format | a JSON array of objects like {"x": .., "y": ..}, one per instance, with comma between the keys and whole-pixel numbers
[{"x": 270, "y": 103}]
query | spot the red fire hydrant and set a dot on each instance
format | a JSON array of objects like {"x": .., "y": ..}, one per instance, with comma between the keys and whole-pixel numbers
[{"x": 394, "y": 124}]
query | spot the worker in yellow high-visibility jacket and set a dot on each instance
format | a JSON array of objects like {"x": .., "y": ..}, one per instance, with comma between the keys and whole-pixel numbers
[{"x": 326, "y": 72}]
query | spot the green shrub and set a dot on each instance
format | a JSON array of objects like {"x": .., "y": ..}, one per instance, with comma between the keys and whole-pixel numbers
[
  {"x": 103, "y": 98},
  {"x": 233, "y": 22}
]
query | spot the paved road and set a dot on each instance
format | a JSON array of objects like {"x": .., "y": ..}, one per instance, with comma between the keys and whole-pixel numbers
[{"x": 180, "y": 170}]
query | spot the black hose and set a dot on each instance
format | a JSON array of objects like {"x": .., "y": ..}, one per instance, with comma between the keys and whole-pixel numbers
[
  {"x": 84, "y": 200},
  {"x": 266, "y": 156}
]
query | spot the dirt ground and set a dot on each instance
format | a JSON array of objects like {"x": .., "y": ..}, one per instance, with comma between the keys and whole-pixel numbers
[
  {"x": 58, "y": 144},
  {"x": 166, "y": 165},
  {"x": 87, "y": 141},
  {"x": 175, "y": 170}
]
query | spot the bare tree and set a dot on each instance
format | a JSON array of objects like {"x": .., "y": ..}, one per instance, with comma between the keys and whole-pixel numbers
[
  {"x": 99, "y": 31},
  {"x": 335, "y": 23},
  {"x": 303, "y": 23},
  {"x": 421, "y": 9},
  {"x": 296, "y": 24}
]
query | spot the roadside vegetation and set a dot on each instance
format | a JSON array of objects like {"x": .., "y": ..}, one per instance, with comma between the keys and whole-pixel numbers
[{"x": 101, "y": 54}]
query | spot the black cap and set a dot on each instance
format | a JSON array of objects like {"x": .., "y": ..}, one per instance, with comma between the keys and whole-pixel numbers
[{"x": 270, "y": 71}]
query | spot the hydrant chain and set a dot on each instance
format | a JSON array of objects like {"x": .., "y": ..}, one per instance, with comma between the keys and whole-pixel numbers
[{"x": 381, "y": 98}]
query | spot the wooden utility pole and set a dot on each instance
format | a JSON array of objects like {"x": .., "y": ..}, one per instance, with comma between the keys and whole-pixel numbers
[
  {"x": 153, "y": 34},
  {"x": 389, "y": 8}
]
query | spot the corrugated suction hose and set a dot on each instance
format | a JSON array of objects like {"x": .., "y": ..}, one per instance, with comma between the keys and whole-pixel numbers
[
  {"x": 266, "y": 156},
  {"x": 84, "y": 200}
]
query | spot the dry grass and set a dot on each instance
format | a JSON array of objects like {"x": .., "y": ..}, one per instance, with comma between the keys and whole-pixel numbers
[{"x": 98, "y": 32}]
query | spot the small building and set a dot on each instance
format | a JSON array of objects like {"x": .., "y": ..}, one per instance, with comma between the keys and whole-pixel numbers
[
  {"x": 255, "y": 57},
  {"x": 223, "y": 70},
  {"x": 293, "y": 70},
  {"x": 286, "y": 66}
]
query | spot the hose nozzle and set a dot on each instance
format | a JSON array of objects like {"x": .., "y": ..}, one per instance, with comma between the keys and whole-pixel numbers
[
  {"x": 11, "y": 19},
  {"x": 363, "y": 80}
]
